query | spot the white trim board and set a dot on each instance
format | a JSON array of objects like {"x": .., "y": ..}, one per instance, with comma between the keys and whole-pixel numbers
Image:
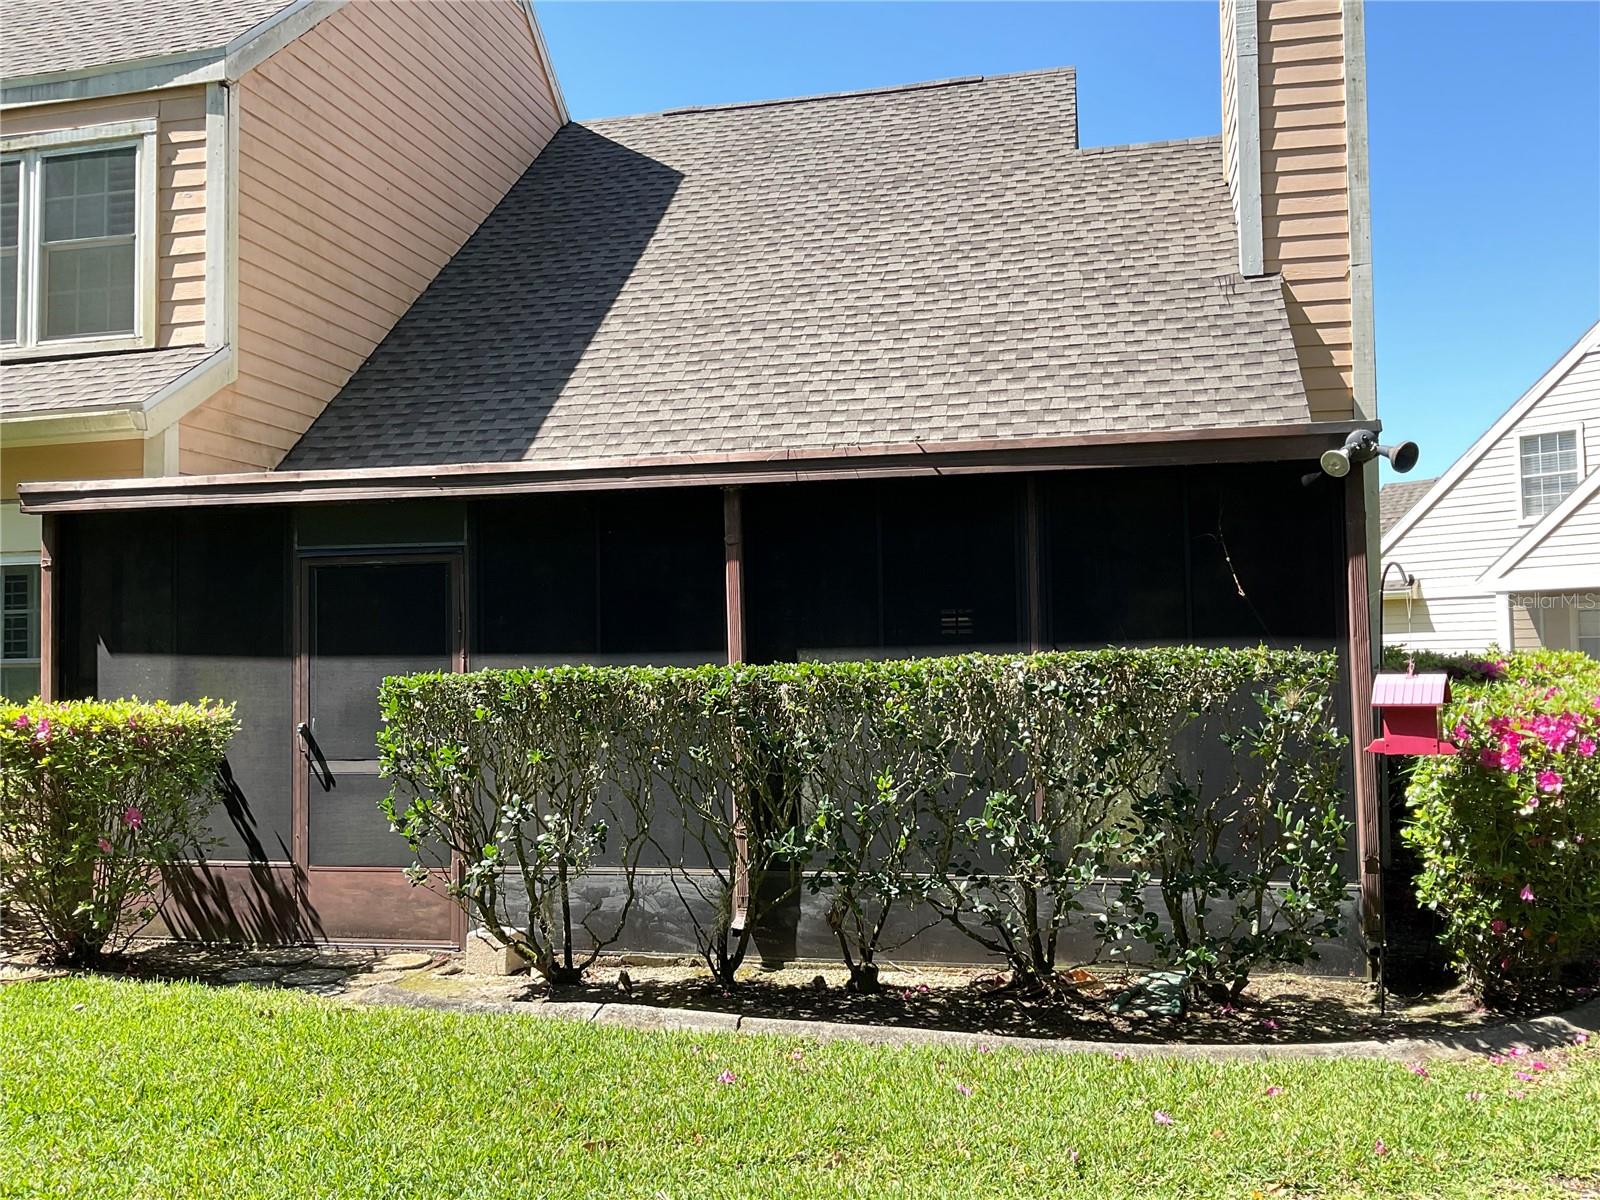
[
  {"x": 1545, "y": 384},
  {"x": 226, "y": 62}
]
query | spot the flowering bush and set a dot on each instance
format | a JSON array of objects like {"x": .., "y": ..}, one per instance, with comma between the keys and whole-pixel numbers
[
  {"x": 95, "y": 796},
  {"x": 1508, "y": 829}
]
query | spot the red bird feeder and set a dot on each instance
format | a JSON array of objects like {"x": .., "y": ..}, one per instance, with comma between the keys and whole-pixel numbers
[{"x": 1410, "y": 706}]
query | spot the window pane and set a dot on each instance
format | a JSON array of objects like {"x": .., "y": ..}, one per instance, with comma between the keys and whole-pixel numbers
[
  {"x": 10, "y": 213},
  {"x": 19, "y": 614},
  {"x": 1549, "y": 470},
  {"x": 89, "y": 195},
  {"x": 88, "y": 290}
]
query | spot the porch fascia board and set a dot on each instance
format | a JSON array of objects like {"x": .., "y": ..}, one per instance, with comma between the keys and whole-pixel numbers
[{"x": 1163, "y": 448}]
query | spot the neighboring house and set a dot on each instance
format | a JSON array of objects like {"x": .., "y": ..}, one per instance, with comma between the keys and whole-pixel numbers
[
  {"x": 213, "y": 211},
  {"x": 1503, "y": 549},
  {"x": 867, "y": 374}
]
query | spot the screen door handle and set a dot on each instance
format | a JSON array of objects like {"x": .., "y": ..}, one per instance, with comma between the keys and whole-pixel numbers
[{"x": 312, "y": 753}]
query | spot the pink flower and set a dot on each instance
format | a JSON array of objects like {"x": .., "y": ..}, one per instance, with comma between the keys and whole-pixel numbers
[
  {"x": 1524, "y": 1076},
  {"x": 132, "y": 818},
  {"x": 1496, "y": 1060},
  {"x": 963, "y": 1089},
  {"x": 1515, "y": 1052},
  {"x": 1379, "y": 1148},
  {"x": 1461, "y": 732},
  {"x": 1274, "y": 1090},
  {"x": 1475, "y": 1097},
  {"x": 1162, "y": 1118},
  {"x": 1579, "y": 1039},
  {"x": 1532, "y": 803},
  {"x": 727, "y": 1077},
  {"x": 798, "y": 1055},
  {"x": 1549, "y": 782},
  {"x": 1511, "y": 759},
  {"x": 1538, "y": 1065},
  {"x": 1117, "y": 1056},
  {"x": 1418, "y": 1070},
  {"x": 1268, "y": 1023},
  {"x": 42, "y": 730},
  {"x": 1227, "y": 1010},
  {"x": 1490, "y": 759},
  {"x": 1527, "y": 894},
  {"x": 21, "y": 722},
  {"x": 105, "y": 846},
  {"x": 1498, "y": 925},
  {"x": 1586, "y": 747},
  {"x": 985, "y": 1048},
  {"x": 1072, "y": 1156}
]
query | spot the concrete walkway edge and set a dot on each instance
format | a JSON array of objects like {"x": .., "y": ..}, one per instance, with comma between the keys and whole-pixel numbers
[{"x": 1534, "y": 1034}]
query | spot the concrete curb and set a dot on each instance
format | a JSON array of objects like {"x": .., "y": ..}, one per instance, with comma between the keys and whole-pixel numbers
[{"x": 1539, "y": 1033}]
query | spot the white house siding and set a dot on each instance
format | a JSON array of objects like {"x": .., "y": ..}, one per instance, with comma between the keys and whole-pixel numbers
[
  {"x": 1576, "y": 541},
  {"x": 1461, "y": 533}
]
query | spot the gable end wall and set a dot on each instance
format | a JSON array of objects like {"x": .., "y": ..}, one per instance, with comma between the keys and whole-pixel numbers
[{"x": 369, "y": 149}]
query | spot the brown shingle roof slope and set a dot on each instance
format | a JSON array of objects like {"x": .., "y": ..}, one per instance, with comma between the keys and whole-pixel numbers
[
  {"x": 93, "y": 383},
  {"x": 38, "y": 37},
  {"x": 1395, "y": 500},
  {"x": 930, "y": 263}
]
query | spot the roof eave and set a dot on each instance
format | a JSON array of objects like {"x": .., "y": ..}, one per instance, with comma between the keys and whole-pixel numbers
[
  {"x": 1144, "y": 448},
  {"x": 223, "y": 63}
]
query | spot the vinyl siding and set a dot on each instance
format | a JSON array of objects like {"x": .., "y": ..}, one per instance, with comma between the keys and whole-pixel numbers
[
  {"x": 180, "y": 114},
  {"x": 1575, "y": 541},
  {"x": 1305, "y": 220},
  {"x": 369, "y": 149},
  {"x": 1455, "y": 624},
  {"x": 1467, "y": 529}
]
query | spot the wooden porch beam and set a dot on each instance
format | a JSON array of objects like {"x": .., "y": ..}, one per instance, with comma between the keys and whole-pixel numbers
[
  {"x": 49, "y": 597},
  {"x": 733, "y": 569}
]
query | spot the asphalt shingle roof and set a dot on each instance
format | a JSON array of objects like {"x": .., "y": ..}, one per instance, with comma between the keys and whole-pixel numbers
[
  {"x": 91, "y": 383},
  {"x": 931, "y": 263},
  {"x": 1395, "y": 500},
  {"x": 38, "y": 37}
]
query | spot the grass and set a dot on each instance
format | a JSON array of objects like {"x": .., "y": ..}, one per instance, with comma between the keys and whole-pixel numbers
[{"x": 114, "y": 1088}]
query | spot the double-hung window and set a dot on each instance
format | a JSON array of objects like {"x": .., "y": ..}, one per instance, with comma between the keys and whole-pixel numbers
[
  {"x": 77, "y": 240},
  {"x": 1550, "y": 471},
  {"x": 19, "y": 631},
  {"x": 1589, "y": 631}
]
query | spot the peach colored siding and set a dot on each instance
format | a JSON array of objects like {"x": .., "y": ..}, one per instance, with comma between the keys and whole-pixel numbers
[
  {"x": 1305, "y": 190},
  {"x": 369, "y": 149},
  {"x": 181, "y": 203}
]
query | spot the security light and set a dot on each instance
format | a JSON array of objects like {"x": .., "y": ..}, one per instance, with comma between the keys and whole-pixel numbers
[{"x": 1362, "y": 446}]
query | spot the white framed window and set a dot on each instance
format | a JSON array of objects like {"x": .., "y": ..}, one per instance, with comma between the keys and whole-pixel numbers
[
  {"x": 1549, "y": 469},
  {"x": 1589, "y": 631},
  {"x": 19, "y": 631},
  {"x": 78, "y": 240}
]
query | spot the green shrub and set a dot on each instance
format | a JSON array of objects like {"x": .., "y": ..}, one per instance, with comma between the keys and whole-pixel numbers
[
  {"x": 95, "y": 796},
  {"x": 1249, "y": 868},
  {"x": 992, "y": 792},
  {"x": 531, "y": 772},
  {"x": 1508, "y": 830}
]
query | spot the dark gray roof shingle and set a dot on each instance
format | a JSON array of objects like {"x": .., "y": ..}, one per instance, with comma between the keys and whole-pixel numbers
[
  {"x": 1395, "y": 500},
  {"x": 92, "y": 383},
  {"x": 38, "y": 37},
  {"x": 930, "y": 263}
]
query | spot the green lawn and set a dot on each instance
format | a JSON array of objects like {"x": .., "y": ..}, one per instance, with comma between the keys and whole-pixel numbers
[{"x": 140, "y": 1090}]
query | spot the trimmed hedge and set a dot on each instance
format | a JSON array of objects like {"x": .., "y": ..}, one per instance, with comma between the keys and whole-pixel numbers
[
  {"x": 997, "y": 793},
  {"x": 94, "y": 797},
  {"x": 1508, "y": 830}
]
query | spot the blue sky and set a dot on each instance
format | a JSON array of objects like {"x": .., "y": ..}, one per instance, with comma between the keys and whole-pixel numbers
[{"x": 1484, "y": 127}]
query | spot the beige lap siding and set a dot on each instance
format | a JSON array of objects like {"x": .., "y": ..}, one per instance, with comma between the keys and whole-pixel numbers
[
  {"x": 1305, "y": 191},
  {"x": 180, "y": 114},
  {"x": 369, "y": 149}
]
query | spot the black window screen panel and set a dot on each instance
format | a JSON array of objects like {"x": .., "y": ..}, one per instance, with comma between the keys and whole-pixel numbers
[
  {"x": 951, "y": 565},
  {"x": 630, "y": 577},
  {"x": 1115, "y": 546},
  {"x": 1267, "y": 554},
  {"x": 811, "y": 572},
  {"x": 189, "y": 606},
  {"x": 898, "y": 567}
]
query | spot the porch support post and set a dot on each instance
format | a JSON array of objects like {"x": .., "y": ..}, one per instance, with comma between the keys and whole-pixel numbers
[
  {"x": 733, "y": 569},
  {"x": 733, "y": 598},
  {"x": 1359, "y": 660},
  {"x": 48, "y": 603}
]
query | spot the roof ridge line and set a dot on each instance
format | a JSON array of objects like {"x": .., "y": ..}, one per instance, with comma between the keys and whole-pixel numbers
[{"x": 853, "y": 94}]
